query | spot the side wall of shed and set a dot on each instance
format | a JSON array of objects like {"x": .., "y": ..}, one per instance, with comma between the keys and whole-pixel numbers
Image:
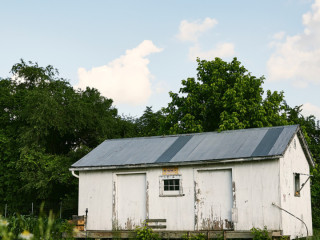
[
  {"x": 255, "y": 185},
  {"x": 95, "y": 194},
  {"x": 294, "y": 161}
]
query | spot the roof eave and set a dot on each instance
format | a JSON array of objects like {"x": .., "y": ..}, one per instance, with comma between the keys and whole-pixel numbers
[
  {"x": 305, "y": 147},
  {"x": 191, "y": 163}
]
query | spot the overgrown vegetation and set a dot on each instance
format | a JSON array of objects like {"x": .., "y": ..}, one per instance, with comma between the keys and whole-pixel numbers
[
  {"x": 260, "y": 234},
  {"x": 145, "y": 233},
  {"x": 46, "y": 125},
  {"x": 199, "y": 236},
  {"x": 32, "y": 227}
]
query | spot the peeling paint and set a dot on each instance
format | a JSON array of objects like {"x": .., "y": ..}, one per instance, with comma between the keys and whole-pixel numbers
[
  {"x": 212, "y": 224},
  {"x": 129, "y": 225},
  {"x": 214, "y": 201},
  {"x": 228, "y": 224},
  {"x": 234, "y": 194},
  {"x": 114, "y": 211},
  {"x": 195, "y": 206},
  {"x": 131, "y": 200},
  {"x": 147, "y": 200}
]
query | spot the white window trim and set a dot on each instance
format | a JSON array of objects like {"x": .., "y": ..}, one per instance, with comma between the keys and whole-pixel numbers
[{"x": 162, "y": 193}]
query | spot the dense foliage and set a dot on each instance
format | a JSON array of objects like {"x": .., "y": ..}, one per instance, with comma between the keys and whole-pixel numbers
[
  {"x": 46, "y": 125},
  {"x": 32, "y": 227},
  {"x": 224, "y": 96}
]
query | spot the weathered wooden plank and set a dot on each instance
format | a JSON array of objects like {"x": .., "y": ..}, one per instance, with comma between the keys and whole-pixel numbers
[
  {"x": 105, "y": 234},
  {"x": 157, "y": 226},
  {"x": 156, "y": 220},
  {"x": 238, "y": 235},
  {"x": 77, "y": 218},
  {"x": 170, "y": 234}
]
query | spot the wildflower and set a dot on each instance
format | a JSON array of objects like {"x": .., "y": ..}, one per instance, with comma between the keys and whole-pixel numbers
[
  {"x": 3, "y": 223},
  {"x": 26, "y": 235}
]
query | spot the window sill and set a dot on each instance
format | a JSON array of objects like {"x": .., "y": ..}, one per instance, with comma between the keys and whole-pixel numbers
[{"x": 172, "y": 195}]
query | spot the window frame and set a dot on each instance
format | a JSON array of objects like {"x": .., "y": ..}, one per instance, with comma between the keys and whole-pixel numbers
[
  {"x": 296, "y": 184},
  {"x": 170, "y": 193}
]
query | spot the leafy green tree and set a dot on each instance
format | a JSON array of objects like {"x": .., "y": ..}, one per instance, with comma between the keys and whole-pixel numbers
[
  {"x": 45, "y": 126},
  {"x": 224, "y": 96},
  {"x": 150, "y": 123}
]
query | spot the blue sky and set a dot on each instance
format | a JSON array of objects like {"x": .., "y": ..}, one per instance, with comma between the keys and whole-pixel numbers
[{"x": 135, "y": 52}]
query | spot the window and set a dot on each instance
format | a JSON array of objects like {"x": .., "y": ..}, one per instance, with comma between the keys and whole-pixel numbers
[
  {"x": 296, "y": 184},
  {"x": 170, "y": 186}
]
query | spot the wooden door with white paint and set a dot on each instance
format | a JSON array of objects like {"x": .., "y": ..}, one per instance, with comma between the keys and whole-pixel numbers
[
  {"x": 214, "y": 200},
  {"x": 131, "y": 200}
]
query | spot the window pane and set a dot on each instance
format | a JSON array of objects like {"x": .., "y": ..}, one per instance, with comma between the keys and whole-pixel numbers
[{"x": 171, "y": 184}]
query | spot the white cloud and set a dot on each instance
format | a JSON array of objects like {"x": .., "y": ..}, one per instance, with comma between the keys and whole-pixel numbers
[
  {"x": 297, "y": 58},
  {"x": 125, "y": 79},
  {"x": 279, "y": 35},
  {"x": 190, "y": 31},
  {"x": 221, "y": 50},
  {"x": 161, "y": 87},
  {"x": 310, "y": 109}
]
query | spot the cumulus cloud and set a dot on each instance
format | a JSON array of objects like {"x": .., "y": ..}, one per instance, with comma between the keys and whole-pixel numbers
[
  {"x": 190, "y": 31},
  {"x": 297, "y": 58},
  {"x": 310, "y": 109},
  {"x": 221, "y": 50},
  {"x": 125, "y": 79}
]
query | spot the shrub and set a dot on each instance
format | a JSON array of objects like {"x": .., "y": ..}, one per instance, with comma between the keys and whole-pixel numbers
[
  {"x": 145, "y": 233},
  {"x": 260, "y": 234}
]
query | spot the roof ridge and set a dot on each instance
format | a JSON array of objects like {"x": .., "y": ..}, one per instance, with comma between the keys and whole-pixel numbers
[{"x": 201, "y": 133}]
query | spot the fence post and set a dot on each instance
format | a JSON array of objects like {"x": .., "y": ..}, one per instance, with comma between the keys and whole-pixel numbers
[
  {"x": 5, "y": 210},
  {"x": 60, "y": 208}
]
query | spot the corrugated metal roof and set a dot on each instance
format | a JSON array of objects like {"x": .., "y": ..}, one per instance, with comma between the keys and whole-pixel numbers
[{"x": 209, "y": 146}]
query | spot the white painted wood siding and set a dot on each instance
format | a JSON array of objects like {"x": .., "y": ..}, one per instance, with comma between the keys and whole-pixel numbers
[
  {"x": 256, "y": 186},
  {"x": 130, "y": 200},
  {"x": 294, "y": 161},
  {"x": 214, "y": 199},
  {"x": 95, "y": 193}
]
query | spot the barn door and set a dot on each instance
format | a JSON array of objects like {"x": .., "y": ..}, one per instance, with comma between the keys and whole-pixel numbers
[
  {"x": 131, "y": 200},
  {"x": 214, "y": 200}
]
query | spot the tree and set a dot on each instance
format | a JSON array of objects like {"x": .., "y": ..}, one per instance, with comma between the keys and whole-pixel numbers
[
  {"x": 150, "y": 123},
  {"x": 45, "y": 126},
  {"x": 224, "y": 96}
]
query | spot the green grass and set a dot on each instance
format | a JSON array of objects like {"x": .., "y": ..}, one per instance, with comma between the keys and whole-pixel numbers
[{"x": 34, "y": 228}]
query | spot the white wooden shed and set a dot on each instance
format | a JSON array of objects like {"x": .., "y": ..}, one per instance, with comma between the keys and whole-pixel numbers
[{"x": 230, "y": 180}]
